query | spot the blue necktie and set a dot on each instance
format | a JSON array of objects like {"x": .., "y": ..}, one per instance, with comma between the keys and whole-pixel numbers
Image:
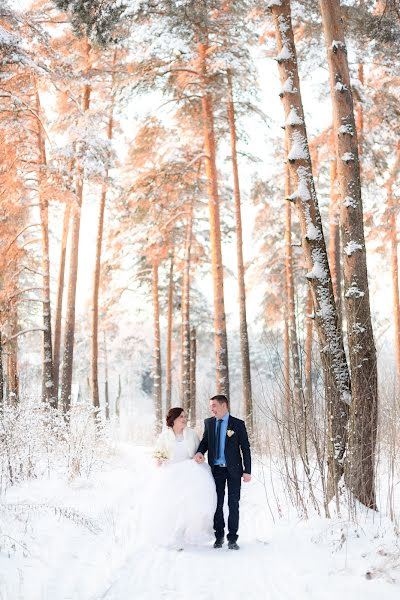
[{"x": 218, "y": 439}]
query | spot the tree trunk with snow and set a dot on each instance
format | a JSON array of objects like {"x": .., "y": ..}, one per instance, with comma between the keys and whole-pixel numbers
[
  {"x": 334, "y": 232},
  {"x": 97, "y": 268},
  {"x": 220, "y": 337},
  {"x": 333, "y": 358},
  {"x": 59, "y": 298},
  {"x": 48, "y": 389},
  {"x": 243, "y": 332},
  {"x": 118, "y": 400},
  {"x": 193, "y": 360},
  {"x": 68, "y": 354},
  {"x": 185, "y": 309},
  {"x": 106, "y": 386},
  {"x": 168, "y": 358},
  {"x": 297, "y": 411},
  {"x": 308, "y": 346},
  {"x": 392, "y": 208},
  {"x": 360, "y": 464},
  {"x": 157, "y": 393},
  {"x": 1, "y": 375}
]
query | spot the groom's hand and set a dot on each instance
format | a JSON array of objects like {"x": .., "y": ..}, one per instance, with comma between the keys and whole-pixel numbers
[
  {"x": 246, "y": 477},
  {"x": 199, "y": 457}
]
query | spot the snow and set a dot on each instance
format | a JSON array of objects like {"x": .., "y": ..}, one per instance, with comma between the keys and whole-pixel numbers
[
  {"x": 340, "y": 87},
  {"x": 346, "y": 129},
  {"x": 354, "y": 292},
  {"x": 288, "y": 86},
  {"x": 271, "y": 3},
  {"x": 298, "y": 150},
  {"x": 348, "y": 157},
  {"x": 293, "y": 118},
  {"x": 284, "y": 54},
  {"x": 317, "y": 271},
  {"x": 80, "y": 541},
  {"x": 352, "y": 247},
  {"x": 349, "y": 202},
  {"x": 313, "y": 233}
]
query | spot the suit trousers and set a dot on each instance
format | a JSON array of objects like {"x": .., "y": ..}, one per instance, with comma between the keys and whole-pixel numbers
[{"x": 222, "y": 478}]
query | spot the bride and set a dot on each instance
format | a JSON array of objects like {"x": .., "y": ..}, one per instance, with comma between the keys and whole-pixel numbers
[{"x": 182, "y": 499}]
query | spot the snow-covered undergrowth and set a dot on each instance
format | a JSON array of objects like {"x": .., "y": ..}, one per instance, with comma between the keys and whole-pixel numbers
[{"x": 80, "y": 538}]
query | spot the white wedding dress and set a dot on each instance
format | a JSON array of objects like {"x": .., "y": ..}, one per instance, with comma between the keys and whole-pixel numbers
[{"x": 180, "y": 502}]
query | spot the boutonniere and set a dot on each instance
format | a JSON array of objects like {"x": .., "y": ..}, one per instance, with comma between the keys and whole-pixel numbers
[{"x": 230, "y": 433}]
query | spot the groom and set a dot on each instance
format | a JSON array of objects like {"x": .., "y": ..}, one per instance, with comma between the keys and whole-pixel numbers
[{"x": 225, "y": 439}]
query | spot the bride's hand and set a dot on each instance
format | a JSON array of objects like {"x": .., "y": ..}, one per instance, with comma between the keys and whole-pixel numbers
[{"x": 199, "y": 458}]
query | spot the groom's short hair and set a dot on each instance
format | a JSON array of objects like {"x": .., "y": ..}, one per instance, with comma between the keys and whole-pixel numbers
[{"x": 221, "y": 399}]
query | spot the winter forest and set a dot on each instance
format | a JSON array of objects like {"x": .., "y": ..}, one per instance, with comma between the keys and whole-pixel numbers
[{"x": 199, "y": 197}]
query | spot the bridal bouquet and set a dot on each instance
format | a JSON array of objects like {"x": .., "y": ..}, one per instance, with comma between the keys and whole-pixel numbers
[{"x": 160, "y": 455}]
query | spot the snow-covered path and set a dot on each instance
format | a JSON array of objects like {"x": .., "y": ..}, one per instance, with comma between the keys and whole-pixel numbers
[{"x": 94, "y": 553}]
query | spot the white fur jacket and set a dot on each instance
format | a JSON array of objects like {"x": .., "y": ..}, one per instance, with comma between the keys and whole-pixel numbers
[{"x": 166, "y": 442}]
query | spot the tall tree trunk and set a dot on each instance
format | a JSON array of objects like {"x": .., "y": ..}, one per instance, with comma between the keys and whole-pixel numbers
[
  {"x": 1, "y": 375},
  {"x": 360, "y": 116},
  {"x": 360, "y": 466},
  {"x": 193, "y": 358},
  {"x": 118, "y": 400},
  {"x": 106, "y": 387},
  {"x": 99, "y": 242},
  {"x": 157, "y": 393},
  {"x": 59, "y": 298},
  {"x": 308, "y": 349},
  {"x": 185, "y": 334},
  {"x": 392, "y": 208},
  {"x": 48, "y": 389},
  {"x": 168, "y": 358},
  {"x": 220, "y": 337},
  {"x": 286, "y": 371},
  {"x": 298, "y": 410},
  {"x": 333, "y": 358},
  {"x": 244, "y": 338},
  {"x": 334, "y": 232},
  {"x": 68, "y": 355}
]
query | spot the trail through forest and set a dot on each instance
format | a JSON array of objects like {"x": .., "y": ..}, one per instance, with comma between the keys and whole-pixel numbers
[{"x": 82, "y": 541}]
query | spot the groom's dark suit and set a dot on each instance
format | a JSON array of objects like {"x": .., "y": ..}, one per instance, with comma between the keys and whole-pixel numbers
[{"x": 237, "y": 454}]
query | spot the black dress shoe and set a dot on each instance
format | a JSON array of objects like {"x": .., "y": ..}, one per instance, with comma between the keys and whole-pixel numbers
[
  {"x": 233, "y": 546},
  {"x": 218, "y": 543}
]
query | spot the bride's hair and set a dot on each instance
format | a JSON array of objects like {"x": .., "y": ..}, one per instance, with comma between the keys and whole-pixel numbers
[{"x": 173, "y": 414}]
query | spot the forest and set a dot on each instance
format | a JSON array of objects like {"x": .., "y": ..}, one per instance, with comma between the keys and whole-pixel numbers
[{"x": 201, "y": 197}]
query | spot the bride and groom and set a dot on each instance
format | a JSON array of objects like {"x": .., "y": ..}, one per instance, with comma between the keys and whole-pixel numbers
[{"x": 188, "y": 494}]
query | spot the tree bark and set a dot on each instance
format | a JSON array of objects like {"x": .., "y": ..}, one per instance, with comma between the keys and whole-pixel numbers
[
  {"x": 193, "y": 357},
  {"x": 244, "y": 338},
  {"x": 185, "y": 309},
  {"x": 334, "y": 233},
  {"x": 106, "y": 387},
  {"x": 48, "y": 389},
  {"x": 298, "y": 406},
  {"x": 220, "y": 337},
  {"x": 118, "y": 400},
  {"x": 157, "y": 392},
  {"x": 97, "y": 269},
  {"x": 333, "y": 358},
  {"x": 68, "y": 355},
  {"x": 392, "y": 208},
  {"x": 1, "y": 375},
  {"x": 168, "y": 359},
  {"x": 59, "y": 298},
  {"x": 360, "y": 465},
  {"x": 308, "y": 349}
]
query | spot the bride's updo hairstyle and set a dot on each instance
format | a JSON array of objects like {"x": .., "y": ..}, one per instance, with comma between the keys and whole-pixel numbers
[{"x": 173, "y": 414}]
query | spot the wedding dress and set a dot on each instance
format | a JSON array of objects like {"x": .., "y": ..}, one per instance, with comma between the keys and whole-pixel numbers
[{"x": 181, "y": 498}]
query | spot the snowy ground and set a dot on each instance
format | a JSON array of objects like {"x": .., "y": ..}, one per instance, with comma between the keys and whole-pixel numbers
[{"x": 78, "y": 541}]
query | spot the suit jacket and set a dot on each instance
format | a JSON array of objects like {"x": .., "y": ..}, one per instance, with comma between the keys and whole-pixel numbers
[{"x": 237, "y": 446}]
